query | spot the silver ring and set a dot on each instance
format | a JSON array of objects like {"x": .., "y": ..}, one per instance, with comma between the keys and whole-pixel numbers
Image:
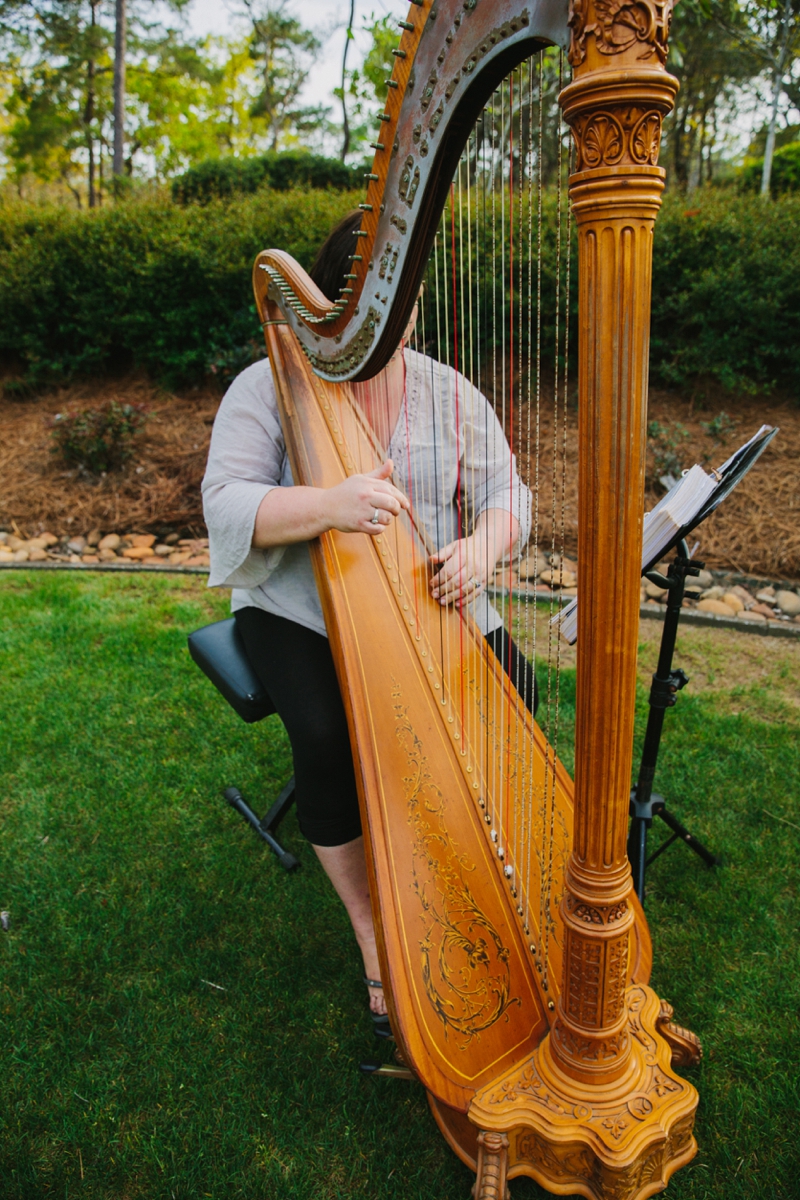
[
  {"x": 375, "y": 516},
  {"x": 474, "y": 581}
]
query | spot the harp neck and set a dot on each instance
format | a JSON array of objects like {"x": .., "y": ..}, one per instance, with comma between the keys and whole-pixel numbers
[{"x": 450, "y": 58}]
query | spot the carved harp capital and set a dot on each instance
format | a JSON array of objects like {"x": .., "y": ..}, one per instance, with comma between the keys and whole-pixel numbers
[
  {"x": 621, "y": 91},
  {"x": 629, "y": 30}
]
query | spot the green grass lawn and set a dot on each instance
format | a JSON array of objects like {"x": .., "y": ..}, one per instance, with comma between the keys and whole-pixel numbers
[{"x": 132, "y": 888}]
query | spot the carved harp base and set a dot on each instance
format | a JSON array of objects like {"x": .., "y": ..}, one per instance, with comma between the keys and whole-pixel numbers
[{"x": 608, "y": 1142}]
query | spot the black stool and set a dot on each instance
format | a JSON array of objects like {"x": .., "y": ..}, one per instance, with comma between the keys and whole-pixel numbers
[{"x": 219, "y": 652}]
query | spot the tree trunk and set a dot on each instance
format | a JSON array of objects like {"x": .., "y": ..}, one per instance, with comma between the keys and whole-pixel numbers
[
  {"x": 88, "y": 118},
  {"x": 710, "y": 160},
  {"x": 120, "y": 52},
  {"x": 88, "y": 113},
  {"x": 678, "y": 135},
  {"x": 345, "y": 121},
  {"x": 777, "y": 87}
]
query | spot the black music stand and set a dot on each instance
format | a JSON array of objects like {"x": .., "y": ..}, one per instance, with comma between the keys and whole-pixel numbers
[{"x": 645, "y": 804}]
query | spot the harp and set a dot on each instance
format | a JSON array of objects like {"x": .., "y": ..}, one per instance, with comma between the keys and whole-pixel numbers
[{"x": 514, "y": 953}]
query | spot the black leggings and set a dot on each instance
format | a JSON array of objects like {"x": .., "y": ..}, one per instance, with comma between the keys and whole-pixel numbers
[{"x": 295, "y": 665}]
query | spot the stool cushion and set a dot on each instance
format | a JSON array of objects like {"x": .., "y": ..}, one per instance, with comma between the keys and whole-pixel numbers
[{"x": 219, "y": 651}]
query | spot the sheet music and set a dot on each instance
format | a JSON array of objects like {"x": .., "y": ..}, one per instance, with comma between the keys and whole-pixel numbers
[{"x": 685, "y": 505}]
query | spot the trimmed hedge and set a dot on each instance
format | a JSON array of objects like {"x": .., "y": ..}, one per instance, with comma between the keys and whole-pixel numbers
[
  {"x": 147, "y": 284},
  {"x": 726, "y": 292},
  {"x": 154, "y": 285},
  {"x": 224, "y": 178}
]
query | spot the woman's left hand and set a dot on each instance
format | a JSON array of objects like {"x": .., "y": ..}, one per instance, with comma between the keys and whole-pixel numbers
[
  {"x": 465, "y": 567},
  {"x": 467, "y": 564}
]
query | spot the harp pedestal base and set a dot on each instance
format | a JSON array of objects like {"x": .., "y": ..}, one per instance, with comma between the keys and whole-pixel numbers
[{"x": 616, "y": 1142}]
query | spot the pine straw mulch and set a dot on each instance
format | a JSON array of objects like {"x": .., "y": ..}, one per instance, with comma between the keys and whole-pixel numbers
[
  {"x": 158, "y": 489},
  {"x": 755, "y": 532}
]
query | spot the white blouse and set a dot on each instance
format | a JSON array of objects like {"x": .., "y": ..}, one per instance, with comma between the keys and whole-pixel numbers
[{"x": 446, "y": 432}]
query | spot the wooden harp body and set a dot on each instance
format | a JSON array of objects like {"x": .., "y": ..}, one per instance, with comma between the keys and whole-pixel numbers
[{"x": 527, "y": 1017}]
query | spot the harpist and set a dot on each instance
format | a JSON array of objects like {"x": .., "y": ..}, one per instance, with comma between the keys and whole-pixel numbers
[{"x": 476, "y": 511}]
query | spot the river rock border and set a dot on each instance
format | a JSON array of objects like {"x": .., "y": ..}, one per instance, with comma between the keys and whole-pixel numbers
[
  {"x": 714, "y": 599},
  {"x": 717, "y": 599}
]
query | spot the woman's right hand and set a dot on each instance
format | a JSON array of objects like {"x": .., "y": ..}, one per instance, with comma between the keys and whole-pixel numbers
[
  {"x": 352, "y": 505},
  {"x": 296, "y": 514}
]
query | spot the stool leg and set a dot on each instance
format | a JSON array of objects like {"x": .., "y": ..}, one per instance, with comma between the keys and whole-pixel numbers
[
  {"x": 237, "y": 801},
  {"x": 273, "y": 817}
]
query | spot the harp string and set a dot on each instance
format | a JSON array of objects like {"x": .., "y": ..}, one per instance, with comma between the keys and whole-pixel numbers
[
  {"x": 491, "y": 814},
  {"x": 511, "y": 447},
  {"x": 541, "y": 849},
  {"x": 465, "y": 267},
  {"x": 528, "y": 644},
  {"x": 482, "y": 313},
  {"x": 521, "y": 679},
  {"x": 557, "y": 555},
  {"x": 459, "y": 500}
]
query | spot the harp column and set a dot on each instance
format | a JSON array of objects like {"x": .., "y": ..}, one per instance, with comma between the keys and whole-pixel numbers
[
  {"x": 604, "y": 1037},
  {"x": 599, "y": 1109},
  {"x": 615, "y": 104}
]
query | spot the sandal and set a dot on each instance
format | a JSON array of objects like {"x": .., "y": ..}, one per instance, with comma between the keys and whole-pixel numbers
[{"x": 379, "y": 1020}]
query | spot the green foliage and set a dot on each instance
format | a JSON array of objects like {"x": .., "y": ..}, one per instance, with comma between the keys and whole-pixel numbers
[
  {"x": 726, "y": 292},
  {"x": 366, "y": 85},
  {"x": 61, "y": 96},
  {"x": 720, "y": 427},
  {"x": 283, "y": 51},
  {"x": 186, "y": 100},
  {"x": 168, "y": 288},
  {"x": 98, "y": 439},
  {"x": 190, "y": 102},
  {"x": 664, "y": 442},
  {"x": 224, "y": 178},
  {"x": 146, "y": 284},
  {"x": 783, "y": 137},
  {"x": 712, "y": 64},
  {"x": 132, "y": 889},
  {"x": 57, "y": 62},
  {"x": 785, "y": 172}
]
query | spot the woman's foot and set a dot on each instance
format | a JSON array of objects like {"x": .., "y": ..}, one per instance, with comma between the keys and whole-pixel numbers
[
  {"x": 377, "y": 1001},
  {"x": 372, "y": 977}
]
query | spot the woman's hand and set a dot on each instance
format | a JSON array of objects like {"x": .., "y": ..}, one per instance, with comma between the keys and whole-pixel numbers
[
  {"x": 296, "y": 514},
  {"x": 464, "y": 569},
  {"x": 365, "y": 503},
  {"x": 467, "y": 564}
]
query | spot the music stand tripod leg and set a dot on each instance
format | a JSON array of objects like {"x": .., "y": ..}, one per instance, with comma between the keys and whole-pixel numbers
[
  {"x": 645, "y": 805},
  {"x": 680, "y": 832}
]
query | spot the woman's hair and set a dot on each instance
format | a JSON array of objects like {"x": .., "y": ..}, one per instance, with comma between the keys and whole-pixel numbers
[{"x": 335, "y": 256}]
